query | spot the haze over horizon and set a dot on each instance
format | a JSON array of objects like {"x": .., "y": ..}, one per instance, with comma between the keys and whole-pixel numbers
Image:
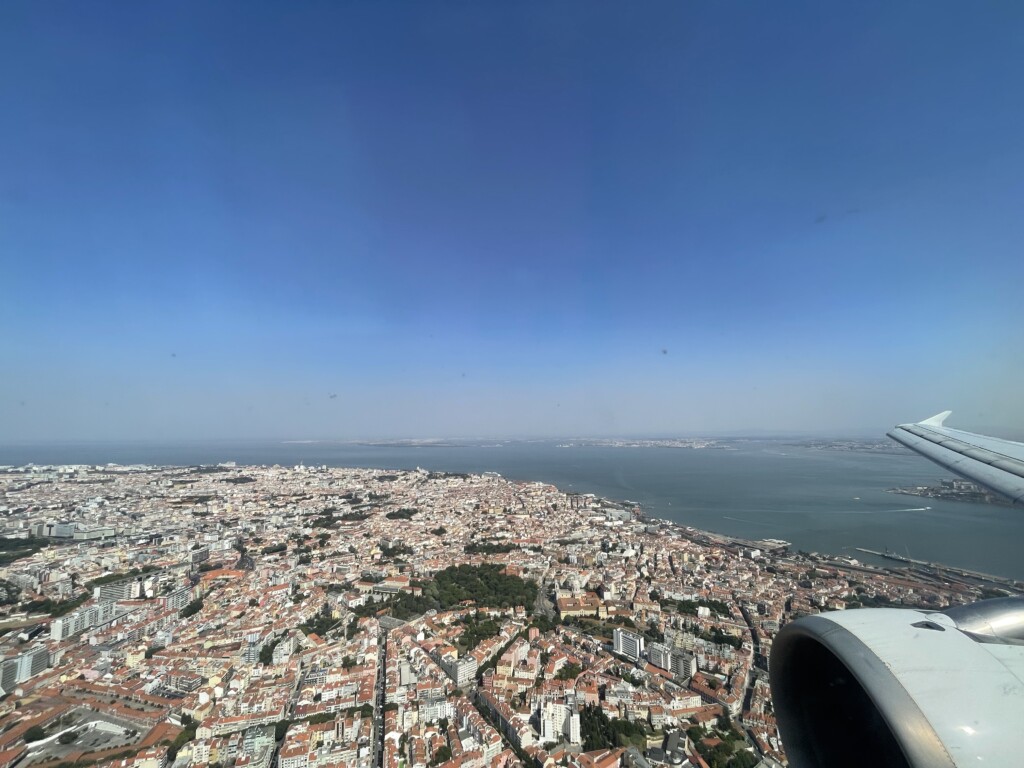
[{"x": 399, "y": 220}]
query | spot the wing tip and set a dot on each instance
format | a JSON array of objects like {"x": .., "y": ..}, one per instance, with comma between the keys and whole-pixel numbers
[{"x": 936, "y": 420}]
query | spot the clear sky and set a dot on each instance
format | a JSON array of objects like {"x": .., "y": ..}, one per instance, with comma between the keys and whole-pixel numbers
[{"x": 375, "y": 219}]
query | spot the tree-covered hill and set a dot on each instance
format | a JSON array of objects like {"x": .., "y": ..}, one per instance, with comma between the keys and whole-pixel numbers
[{"x": 485, "y": 585}]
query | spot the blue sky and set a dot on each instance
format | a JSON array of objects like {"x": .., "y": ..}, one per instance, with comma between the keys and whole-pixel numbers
[{"x": 514, "y": 219}]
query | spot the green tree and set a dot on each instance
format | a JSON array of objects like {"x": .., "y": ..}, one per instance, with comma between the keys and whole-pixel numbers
[
  {"x": 320, "y": 623},
  {"x": 485, "y": 585},
  {"x": 743, "y": 759},
  {"x": 192, "y": 608},
  {"x": 569, "y": 672},
  {"x": 267, "y": 654},
  {"x": 405, "y": 513},
  {"x": 600, "y": 732},
  {"x": 181, "y": 740}
]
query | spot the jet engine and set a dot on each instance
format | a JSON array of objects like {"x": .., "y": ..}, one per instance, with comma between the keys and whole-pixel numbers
[{"x": 904, "y": 688}]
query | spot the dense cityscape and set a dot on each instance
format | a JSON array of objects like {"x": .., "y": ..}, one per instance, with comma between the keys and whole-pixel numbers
[{"x": 313, "y": 617}]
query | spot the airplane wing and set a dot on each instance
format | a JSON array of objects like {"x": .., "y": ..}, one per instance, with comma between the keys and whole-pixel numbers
[
  {"x": 910, "y": 688},
  {"x": 988, "y": 461}
]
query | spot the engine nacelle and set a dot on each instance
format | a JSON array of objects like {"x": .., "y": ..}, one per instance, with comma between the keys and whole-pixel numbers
[{"x": 904, "y": 688}]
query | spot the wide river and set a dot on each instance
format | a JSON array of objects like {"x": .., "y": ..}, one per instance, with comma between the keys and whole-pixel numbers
[{"x": 827, "y": 501}]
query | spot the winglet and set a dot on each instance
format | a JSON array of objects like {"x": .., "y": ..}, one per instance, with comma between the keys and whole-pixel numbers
[{"x": 936, "y": 420}]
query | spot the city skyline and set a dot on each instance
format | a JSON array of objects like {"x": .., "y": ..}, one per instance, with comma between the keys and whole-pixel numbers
[
  {"x": 392, "y": 221},
  {"x": 316, "y": 617}
]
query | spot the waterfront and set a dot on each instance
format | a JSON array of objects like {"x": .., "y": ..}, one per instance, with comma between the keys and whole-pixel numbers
[{"x": 820, "y": 500}]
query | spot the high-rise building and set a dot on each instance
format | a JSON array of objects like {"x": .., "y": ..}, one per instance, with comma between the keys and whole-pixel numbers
[
  {"x": 20, "y": 668},
  {"x": 557, "y": 720},
  {"x": 64, "y": 627},
  {"x": 179, "y": 598},
  {"x": 628, "y": 644},
  {"x": 684, "y": 664},
  {"x": 32, "y": 662},
  {"x": 120, "y": 590},
  {"x": 660, "y": 655},
  {"x": 461, "y": 671},
  {"x": 8, "y": 675}
]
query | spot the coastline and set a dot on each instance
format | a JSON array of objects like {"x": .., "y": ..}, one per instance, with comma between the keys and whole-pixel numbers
[
  {"x": 780, "y": 549},
  {"x": 825, "y": 501}
]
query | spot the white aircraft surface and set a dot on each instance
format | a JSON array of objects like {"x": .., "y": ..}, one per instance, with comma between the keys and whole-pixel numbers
[
  {"x": 911, "y": 688},
  {"x": 992, "y": 462}
]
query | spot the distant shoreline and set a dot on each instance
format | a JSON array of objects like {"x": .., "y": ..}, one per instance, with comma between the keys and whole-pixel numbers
[{"x": 820, "y": 496}]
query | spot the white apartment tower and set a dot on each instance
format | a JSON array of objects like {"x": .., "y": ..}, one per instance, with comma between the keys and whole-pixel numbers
[{"x": 628, "y": 644}]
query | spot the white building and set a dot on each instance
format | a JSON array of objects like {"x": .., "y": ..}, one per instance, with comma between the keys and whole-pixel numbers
[
  {"x": 32, "y": 662},
  {"x": 660, "y": 655},
  {"x": 557, "y": 720},
  {"x": 628, "y": 644},
  {"x": 461, "y": 671},
  {"x": 684, "y": 665},
  {"x": 64, "y": 627}
]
